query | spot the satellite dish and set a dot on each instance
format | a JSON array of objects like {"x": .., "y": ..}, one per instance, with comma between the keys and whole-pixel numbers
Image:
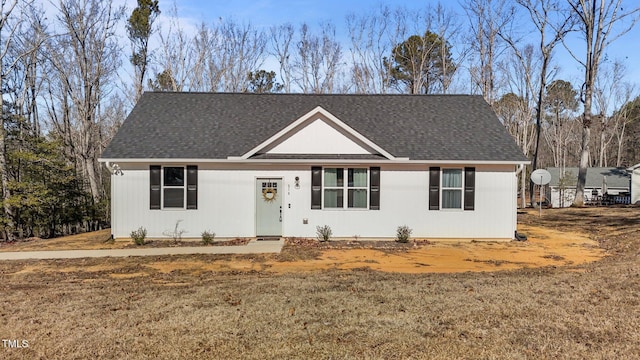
[{"x": 541, "y": 177}]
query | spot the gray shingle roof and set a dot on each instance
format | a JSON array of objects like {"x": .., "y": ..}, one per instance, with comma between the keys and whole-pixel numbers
[
  {"x": 217, "y": 125},
  {"x": 616, "y": 177}
]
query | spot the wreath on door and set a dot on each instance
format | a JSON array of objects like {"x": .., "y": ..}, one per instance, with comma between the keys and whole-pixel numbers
[{"x": 269, "y": 194}]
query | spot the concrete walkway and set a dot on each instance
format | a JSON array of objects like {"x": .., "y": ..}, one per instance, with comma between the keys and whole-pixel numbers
[{"x": 253, "y": 247}]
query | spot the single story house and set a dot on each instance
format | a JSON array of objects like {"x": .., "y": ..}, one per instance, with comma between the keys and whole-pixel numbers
[
  {"x": 635, "y": 183},
  {"x": 279, "y": 165},
  {"x": 600, "y": 181}
]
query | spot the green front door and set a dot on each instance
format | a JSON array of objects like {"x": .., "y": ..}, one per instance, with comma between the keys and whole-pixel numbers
[{"x": 269, "y": 194}]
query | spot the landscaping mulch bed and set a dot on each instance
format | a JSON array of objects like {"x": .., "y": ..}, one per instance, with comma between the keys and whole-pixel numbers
[
  {"x": 354, "y": 244},
  {"x": 171, "y": 243}
]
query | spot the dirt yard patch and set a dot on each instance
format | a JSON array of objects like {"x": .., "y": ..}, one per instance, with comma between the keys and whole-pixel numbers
[
  {"x": 545, "y": 247},
  {"x": 260, "y": 306},
  {"x": 101, "y": 240}
]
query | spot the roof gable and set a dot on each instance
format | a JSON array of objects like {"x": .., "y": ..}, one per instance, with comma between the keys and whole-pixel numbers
[
  {"x": 318, "y": 132},
  {"x": 221, "y": 126}
]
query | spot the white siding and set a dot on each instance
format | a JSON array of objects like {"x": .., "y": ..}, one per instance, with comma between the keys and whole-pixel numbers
[
  {"x": 313, "y": 139},
  {"x": 568, "y": 194},
  {"x": 635, "y": 186},
  {"x": 226, "y": 204}
]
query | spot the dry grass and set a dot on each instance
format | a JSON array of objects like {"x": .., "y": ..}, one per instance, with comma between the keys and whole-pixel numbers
[
  {"x": 102, "y": 240},
  {"x": 152, "y": 308},
  {"x": 93, "y": 240}
]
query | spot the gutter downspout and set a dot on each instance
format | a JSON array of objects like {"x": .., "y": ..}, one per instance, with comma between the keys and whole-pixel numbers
[
  {"x": 111, "y": 199},
  {"x": 109, "y": 167},
  {"x": 517, "y": 236}
]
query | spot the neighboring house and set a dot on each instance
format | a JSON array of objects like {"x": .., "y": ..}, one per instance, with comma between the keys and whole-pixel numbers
[
  {"x": 258, "y": 165},
  {"x": 600, "y": 181},
  {"x": 635, "y": 183}
]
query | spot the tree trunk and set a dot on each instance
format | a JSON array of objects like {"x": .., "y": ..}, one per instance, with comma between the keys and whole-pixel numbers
[
  {"x": 584, "y": 164},
  {"x": 7, "y": 212},
  {"x": 620, "y": 146},
  {"x": 92, "y": 178}
]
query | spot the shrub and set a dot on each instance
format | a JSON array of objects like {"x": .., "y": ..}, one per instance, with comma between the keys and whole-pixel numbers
[
  {"x": 176, "y": 234},
  {"x": 139, "y": 235},
  {"x": 323, "y": 232},
  {"x": 403, "y": 233},
  {"x": 207, "y": 237}
]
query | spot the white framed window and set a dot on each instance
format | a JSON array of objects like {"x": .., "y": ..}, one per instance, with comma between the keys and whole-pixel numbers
[
  {"x": 173, "y": 187},
  {"x": 452, "y": 188},
  {"x": 355, "y": 188}
]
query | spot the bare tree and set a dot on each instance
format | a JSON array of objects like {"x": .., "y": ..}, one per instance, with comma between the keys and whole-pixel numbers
[
  {"x": 5, "y": 26},
  {"x": 209, "y": 60},
  {"x": 14, "y": 49},
  {"x": 446, "y": 25},
  {"x": 486, "y": 19},
  {"x": 280, "y": 40},
  {"x": 519, "y": 69},
  {"x": 515, "y": 113},
  {"x": 623, "y": 118},
  {"x": 27, "y": 73},
  {"x": 596, "y": 20},
  {"x": 318, "y": 61},
  {"x": 629, "y": 149},
  {"x": 175, "y": 53},
  {"x": 372, "y": 39},
  {"x": 217, "y": 58},
  {"x": 560, "y": 104},
  {"x": 388, "y": 41},
  {"x": 244, "y": 51},
  {"x": 611, "y": 92},
  {"x": 552, "y": 23},
  {"x": 85, "y": 58}
]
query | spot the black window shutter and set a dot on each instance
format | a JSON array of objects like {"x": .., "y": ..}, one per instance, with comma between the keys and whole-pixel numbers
[
  {"x": 154, "y": 187},
  {"x": 192, "y": 187},
  {"x": 434, "y": 188},
  {"x": 374, "y": 188},
  {"x": 316, "y": 187},
  {"x": 469, "y": 188}
]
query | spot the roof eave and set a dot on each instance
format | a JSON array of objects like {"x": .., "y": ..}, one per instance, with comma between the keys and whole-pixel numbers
[
  {"x": 239, "y": 160},
  {"x": 632, "y": 168}
]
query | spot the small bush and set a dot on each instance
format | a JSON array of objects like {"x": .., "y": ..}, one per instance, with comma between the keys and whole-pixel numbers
[
  {"x": 323, "y": 232},
  {"x": 176, "y": 234},
  {"x": 207, "y": 237},
  {"x": 403, "y": 233},
  {"x": 139, "y": 235}
]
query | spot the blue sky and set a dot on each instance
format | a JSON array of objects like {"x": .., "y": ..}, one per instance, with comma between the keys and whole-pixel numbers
[{"x": 265, "y": 13}]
